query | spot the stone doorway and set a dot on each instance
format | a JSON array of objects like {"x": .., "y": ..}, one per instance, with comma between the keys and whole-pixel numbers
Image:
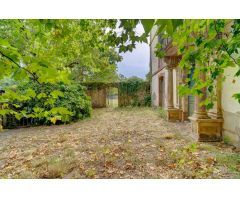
[
  {"x": 112, "y": 97},
  {"x": 161, "y": 92}
]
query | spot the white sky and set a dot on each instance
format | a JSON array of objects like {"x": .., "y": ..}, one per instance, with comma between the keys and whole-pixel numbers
[{"x": 135, "y": 63}]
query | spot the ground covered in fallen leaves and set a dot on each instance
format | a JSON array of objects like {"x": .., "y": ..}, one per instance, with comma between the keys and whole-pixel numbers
[{"x": 115, "y": 143}]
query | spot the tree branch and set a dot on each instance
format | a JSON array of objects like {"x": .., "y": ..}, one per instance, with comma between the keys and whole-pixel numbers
[
  {"x": 35, "y": 78},
  {"x": 234, "y": 60}
]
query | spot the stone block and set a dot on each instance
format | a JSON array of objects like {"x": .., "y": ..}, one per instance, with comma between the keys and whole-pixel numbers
[
  {"x": 174, "y": 114},
  {"x": 184, "y": 116},
  {"x": 208, "y": 130}
]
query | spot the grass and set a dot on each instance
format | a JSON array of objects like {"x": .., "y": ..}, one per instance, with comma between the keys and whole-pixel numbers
[
  {"x": 229, "y": 160},
  {"x": 226, "y": 139},
  {"x": 162, "y": 113}
]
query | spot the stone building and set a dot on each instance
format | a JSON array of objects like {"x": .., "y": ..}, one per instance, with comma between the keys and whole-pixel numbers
[{"x": 221, "y": 122}]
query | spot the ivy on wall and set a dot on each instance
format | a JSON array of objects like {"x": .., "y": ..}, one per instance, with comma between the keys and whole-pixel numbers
[{"x": 134, "y": 92}]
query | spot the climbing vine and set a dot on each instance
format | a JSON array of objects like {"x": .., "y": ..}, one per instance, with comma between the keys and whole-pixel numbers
[
  {"x": 208, "y": 46},
  {"x": 134, "y": 91}
]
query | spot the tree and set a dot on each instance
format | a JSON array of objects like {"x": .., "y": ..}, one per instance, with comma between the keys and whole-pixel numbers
[{"x": 50, "y": 53}]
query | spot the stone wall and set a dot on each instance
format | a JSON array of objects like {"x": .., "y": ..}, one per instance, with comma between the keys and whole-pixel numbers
[
  {"x": 126, "y": 97},
  {"x": 98, "y": 97},
  {"x": 231, "y": 127},
  {"x": 154, "y": 59},
  {"x": 231, "y": 108},
  {"x": 155, "y": 88}
]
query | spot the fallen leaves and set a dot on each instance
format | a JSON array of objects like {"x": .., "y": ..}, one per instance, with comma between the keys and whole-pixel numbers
[
  {"x": 131, "y": 143},
  {"x": 28, "y": 158}
]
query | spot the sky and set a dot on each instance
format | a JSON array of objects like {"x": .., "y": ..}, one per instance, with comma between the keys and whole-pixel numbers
[{"x": 136, "y": 63}]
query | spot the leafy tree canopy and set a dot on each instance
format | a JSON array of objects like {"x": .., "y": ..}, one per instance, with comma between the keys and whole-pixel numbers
[{"x": 52, "y": 52}]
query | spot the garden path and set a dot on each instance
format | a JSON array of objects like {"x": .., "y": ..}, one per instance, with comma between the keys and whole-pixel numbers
[{"x": 114, "y": 143}]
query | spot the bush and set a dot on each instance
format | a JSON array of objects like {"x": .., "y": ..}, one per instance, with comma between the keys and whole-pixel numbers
[
  {"x": 75, "y": 100},
  {"x": 48, "y": 103},
  {"x": 147, "y": 100}
]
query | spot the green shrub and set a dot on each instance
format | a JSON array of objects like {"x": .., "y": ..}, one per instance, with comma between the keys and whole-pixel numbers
[
  {"x": 147, "y": 100},
  {"x": 48, "y": 103},
  {"x": 75, "y": 100}
]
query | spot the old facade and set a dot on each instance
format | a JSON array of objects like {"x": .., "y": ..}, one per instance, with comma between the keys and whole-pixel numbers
[{"x": 223, "y": 121}]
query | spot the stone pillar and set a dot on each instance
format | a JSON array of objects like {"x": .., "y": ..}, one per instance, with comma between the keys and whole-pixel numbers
[
  {"x": 216, "y": 111},
  {"x": 219, "y": 97},
  {"x": 174, "y": 114},
  {"x": 170, "y": 87},
  {"x": 178, "y": 78},
  {"x": 184, "y": 99},
  {"x": 200, "y": 111},
  {"x": 208, "y": 130}
]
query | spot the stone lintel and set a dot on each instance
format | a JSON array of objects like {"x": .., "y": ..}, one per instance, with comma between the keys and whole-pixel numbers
[{"x": 208, "y": 130}]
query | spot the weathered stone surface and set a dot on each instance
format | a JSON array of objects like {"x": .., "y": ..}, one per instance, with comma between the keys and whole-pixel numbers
[
  {"x": 174, "y": 114},
  {"x": 208, "y": 130}
]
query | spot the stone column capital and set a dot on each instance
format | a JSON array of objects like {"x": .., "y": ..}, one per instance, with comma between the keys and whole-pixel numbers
[{"x": 172, "y": 61}]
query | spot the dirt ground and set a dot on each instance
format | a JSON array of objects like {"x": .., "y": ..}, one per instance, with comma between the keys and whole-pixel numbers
[{"x": 115, "y": 143}]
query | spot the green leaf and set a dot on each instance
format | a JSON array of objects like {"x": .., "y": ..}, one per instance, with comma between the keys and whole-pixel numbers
[
  {"x": 41, "y": 95},
  {"x": 176, "y": 23},
  {"x": 4, "y": 43},
  {"x": 56, "y": 93},
  {"x": 165, "y": 25},
  {"x": 31, "y": 93},
  {"x": 238, "y": 73},
  {"x": 147, "y": 25}
]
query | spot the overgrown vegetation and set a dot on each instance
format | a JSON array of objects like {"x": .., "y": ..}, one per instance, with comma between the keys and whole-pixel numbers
[
  {"x": 134, "y": 91},
  {"x": 42, "y": 63},
  {"x": 49, "y": 104}
]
